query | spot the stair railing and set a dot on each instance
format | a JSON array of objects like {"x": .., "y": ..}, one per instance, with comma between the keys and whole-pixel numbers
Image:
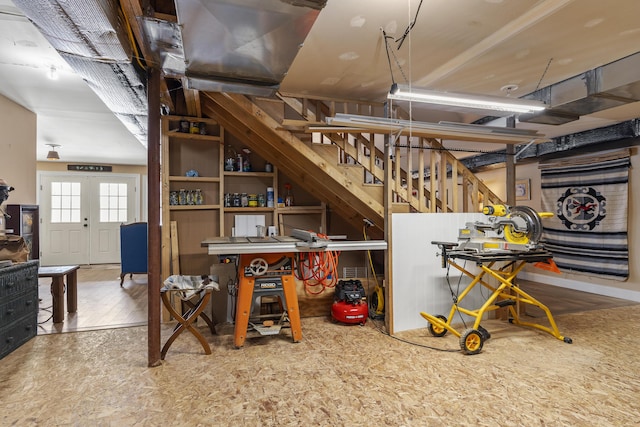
[{"x": 447, "y": 185}]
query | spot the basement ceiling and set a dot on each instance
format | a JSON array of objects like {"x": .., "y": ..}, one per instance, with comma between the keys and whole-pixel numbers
[{"x": 494, "y": 47}]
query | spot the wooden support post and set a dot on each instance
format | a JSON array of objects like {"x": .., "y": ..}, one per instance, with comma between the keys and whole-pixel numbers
[
  {"x": 155, "y": 241},
  {"x": 388, "y": 208}
]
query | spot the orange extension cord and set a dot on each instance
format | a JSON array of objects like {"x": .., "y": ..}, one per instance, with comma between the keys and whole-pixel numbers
[{"x": 317, "y": 270}]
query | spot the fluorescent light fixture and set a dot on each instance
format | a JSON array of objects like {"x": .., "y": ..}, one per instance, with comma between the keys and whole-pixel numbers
[
  {"x": 444, "y": 130},
  {"x": 478, "y": 102},
  {"x": 53, "y": 154}
]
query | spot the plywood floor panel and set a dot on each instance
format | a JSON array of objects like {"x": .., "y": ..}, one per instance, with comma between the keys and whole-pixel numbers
[{"x": 336, "y": 376}]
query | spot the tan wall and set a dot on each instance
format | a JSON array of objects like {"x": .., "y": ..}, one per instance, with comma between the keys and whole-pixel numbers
[
  {"x": 18, "y": 151},
  {"x": 495, "y": 179}
]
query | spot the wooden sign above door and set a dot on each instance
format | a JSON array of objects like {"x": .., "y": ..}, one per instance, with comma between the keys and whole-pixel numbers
[{"x": 89, "y": 168}]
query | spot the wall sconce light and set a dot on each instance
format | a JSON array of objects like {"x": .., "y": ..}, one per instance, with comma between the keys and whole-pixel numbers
[
  {"x": 478, "y": 102},
  {"x": 53, "y": 154}
]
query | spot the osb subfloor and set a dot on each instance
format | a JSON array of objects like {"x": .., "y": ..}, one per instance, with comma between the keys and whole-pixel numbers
[{"x": 336, "y": 376}]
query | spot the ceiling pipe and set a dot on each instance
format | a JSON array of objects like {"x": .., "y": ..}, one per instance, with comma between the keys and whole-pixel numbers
[
  {"x": 91, "y": 36},
  {"x": 608, "y": 86},
  {"x": 625, "y": 134}
]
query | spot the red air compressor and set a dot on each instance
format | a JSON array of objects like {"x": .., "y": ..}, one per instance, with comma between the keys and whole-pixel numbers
[{"x": 350, "y": 302}]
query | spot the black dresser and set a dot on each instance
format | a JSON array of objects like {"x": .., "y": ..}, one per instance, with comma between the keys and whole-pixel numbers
[{"x": 18, "y": 305}]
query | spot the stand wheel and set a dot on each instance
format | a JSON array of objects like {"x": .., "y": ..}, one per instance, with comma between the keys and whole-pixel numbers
[
  {"x": 568, "y": 340},
  {"x": 437, "y": 330},
  {"x": 471, "y": 341}
]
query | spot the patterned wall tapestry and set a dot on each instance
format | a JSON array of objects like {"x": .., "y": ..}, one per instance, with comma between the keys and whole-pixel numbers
[{"x": 589, "y": 198}]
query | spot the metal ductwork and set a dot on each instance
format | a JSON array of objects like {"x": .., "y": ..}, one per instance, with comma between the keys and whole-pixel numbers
[
  {"x": 242, "y": 46},
  {"x": 605, "y": 87},
  {"x": 91, "y": 36}
]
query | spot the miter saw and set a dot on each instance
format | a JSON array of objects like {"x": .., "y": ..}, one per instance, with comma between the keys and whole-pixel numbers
[{"x": 517, "y": 228}]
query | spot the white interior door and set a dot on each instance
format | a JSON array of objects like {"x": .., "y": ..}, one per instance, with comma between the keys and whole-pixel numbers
[
  {"x": 64, "y": 214},
  {"x": 115, "y": 206},
  {"x": 81, "y": 217}
]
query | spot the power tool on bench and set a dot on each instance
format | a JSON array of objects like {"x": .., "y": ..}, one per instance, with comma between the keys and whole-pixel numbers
[{"x": 509, "y": 228}]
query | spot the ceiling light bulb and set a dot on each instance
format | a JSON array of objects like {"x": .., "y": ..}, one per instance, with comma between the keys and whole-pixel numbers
[{"x": 53, "y": 73}]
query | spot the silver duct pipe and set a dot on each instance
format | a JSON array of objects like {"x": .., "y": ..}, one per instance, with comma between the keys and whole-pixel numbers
[
  {"x": 91, "y": 36},
  {"x": 242, "y": 46},
  {"x": 608, "y": 86}
]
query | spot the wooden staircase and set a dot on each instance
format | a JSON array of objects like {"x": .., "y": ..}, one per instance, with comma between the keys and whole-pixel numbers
[{"x": 346, "y": 169}]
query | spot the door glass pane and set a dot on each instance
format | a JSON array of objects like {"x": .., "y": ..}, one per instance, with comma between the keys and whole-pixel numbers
[
  {"x": 113, "y": 202},
  {"x": 65, "y": 202}
]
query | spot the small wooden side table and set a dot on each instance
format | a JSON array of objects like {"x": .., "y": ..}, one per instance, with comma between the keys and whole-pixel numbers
[{"x": 58, "y": 274}]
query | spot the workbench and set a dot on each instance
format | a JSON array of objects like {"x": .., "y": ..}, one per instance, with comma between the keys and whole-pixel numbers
[
  {"x": 266, "y": 266},
  {"x": 284, "y": 244},
  {"x": 503, "y": 266}
]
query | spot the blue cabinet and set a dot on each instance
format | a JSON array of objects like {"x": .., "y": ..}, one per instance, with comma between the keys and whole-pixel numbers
[{"x": 133, "y": 249}]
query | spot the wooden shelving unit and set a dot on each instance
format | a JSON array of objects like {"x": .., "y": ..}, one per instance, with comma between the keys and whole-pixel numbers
[
  {"x": 182, "y": 153},
  {"x": 255, "y": 182}
]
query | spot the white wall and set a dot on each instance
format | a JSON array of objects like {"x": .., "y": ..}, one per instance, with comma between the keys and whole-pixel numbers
[{"x": 419, "y": 281}]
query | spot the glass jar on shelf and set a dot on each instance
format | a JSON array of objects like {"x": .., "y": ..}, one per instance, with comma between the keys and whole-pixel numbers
[
  {"x": 198, "y": 198},
  {"x": 173, "y": 198},
  {"x": 182, "y": 197},
  {"x": 235, "y": 200}
]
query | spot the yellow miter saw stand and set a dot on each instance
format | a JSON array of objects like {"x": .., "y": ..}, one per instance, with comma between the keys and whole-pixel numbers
[{"x": 500, "y": 248}]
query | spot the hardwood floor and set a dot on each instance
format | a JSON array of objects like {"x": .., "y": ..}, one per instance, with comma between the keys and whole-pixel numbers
[{"x": 102, "y": 303}]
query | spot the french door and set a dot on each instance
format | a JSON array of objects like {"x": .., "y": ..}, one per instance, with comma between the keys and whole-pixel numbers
[{"x": 81, "y": 216}]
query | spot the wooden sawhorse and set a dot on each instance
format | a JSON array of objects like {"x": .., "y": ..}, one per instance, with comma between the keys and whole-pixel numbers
[{"x": 186, "y": 320}]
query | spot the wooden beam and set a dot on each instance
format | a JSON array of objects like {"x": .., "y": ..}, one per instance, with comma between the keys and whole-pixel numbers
[
  {"x": 192, "y": 100},
  {"x": 154, "y": 254},
  {"x": 132, "y": 10},
  {"x": 511, "y": 167},
  {"x": 352, "y": 209},
  {"x": 270, "y": 142}
]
